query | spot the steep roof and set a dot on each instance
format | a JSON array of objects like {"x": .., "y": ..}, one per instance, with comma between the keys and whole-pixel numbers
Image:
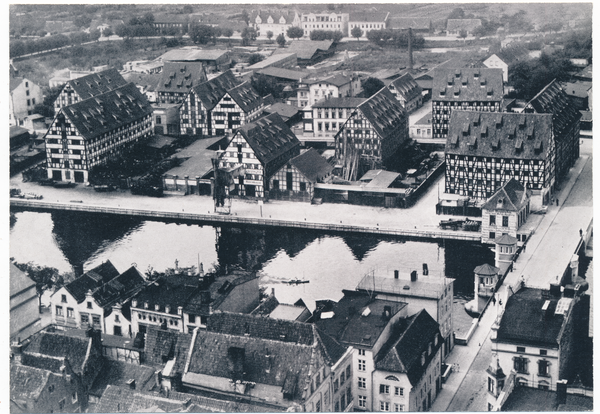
[
  {"x": 246, "y": 97},
  {"x": 213, "y": 90},
  {"x": 410, "y": 339},
  {"x": 103, "y": 113},
  {"x": 276, "y": 15},
  {"x": 15, "y": 82},
  {"x": 312, "y": 165},
  {"x": 97, "y": 83},
  {"x": 180, "y": 77},
  {"x": 467, "y": 84},
  {"x": 284, "y": 110},
  {"x": 56, "y": 345},
  {"x": 27, "y": 383},
  {"x": 506, "y": 240},
  {"x": 91, "y": 280},
  {"x": 19, "y": 281},
  {"x": 499, "y": 135},
  {"x": 163, "y": 345},
  {"x": 337, "y": 80},
  {"x": 462, "y": 24},
  {"x": 512, "y": 196},
  {"x": 486, "y": 270},
  {"x": 169, "y": 290},
  {"x": 525, "y": 322},
  {"x": 384, "y": 112},
  {"x": 554, "y": 100},
  {"x": 269, "y": 137},
  {"x": 406, "y": 86},
  {"x": 305, "y": 49},
  {"x": 119, "y": 288}
]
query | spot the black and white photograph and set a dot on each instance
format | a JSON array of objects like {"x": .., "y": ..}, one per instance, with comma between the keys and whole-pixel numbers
[{"x": 313, "y": 207}]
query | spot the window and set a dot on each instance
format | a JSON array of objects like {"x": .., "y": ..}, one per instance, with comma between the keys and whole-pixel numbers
[
  {"x": 384, "y": 406},
  {"x": 59, "y": 311},
  {"x": 504, "y": 221},
  {"x": 63, "y": 298},
  {"x": 117, "y": 319},
  {"x": 384, "y": 389},
  {"x": 303, "y": 187},
  {"x": 491, "y": 385},
  {"x": 362, "y": 365},
  {"x": 492, "y": 235},
  {"x": 362, "y": 383},
  {"x": 348, "y": 371},
  {"x": 69, "y": 312},
  {"x": 318, "y": 406},
  {"x": 521, "y": 349},
  {"x": 85, "y": 319},
  {"x": 362, "y": 401},
  {"x": 398, "y": 407},
  {"x": 336, "y": 385},
  {"x": 398, "y": 391},
  {"x": 492, "y": 219},
  {"x": 158, "y": 120},
  {"x": 520, "y": 365},
  {"x": 543, "y": 368},
  {"x": 318, "y": 379},
  {"x": 89, "y": 305},
  {"x": 361, "y": 352},
  {"x": 96, "y": 319}
]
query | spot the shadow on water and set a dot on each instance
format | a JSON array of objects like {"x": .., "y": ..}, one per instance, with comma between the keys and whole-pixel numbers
[{"x": 461, "y": 258}]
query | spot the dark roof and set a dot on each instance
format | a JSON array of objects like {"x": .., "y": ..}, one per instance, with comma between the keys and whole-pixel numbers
[
  {"x": 27, "y": 383},
  {"x": 462, "y": 24},
  {"x": 103, "y": 113},
  {"x": 467, "y": 84},
  {"x": 163, "y": 345},
  {"x": 218, "y": 291},
  {"x": 180, "y": 77},
  {"x": 554, "y": 100},
  {"x": 269, "y": 137},
  {"x": 282, "y": 73},
  {"x": 56, "y": 345},
  {"x": 406, "y": 86},
  {"x": 344, "y": 102},
  {"x": 368, "y": 16},
  {"x": 337, "y": 80},
  {"x": 305, "y": 49},
  {"x": 409, "y": 340},
  {"x": 213, "y": 90},
  {"x": 14, "y": 83},
  {"x": 120, "y": 288},
  {"x": 284, "y": 110},
  {"x": 486, "y": 270},
  {"x": 119, "y": 373},
  {"x": 525, "y": 322},
  {"x": 246, "y": 97},
  {"x": 534, "y": 399},
  {"x": 385, "y": 113},
  {"x": 91, "y": 280},
  {"x": 168, "y": 290},
  {"x": 512, "y": 196},
  {"x": 585, "y": 73},
  {"x": 118, "y": 399},
  {"x": 312, "y": 165},
  {"x": 275, "y": 14},
  {"x": 97, "y": 83},
  {"x": 499, "y": 135},
  {"x": 266, "y": 307}
]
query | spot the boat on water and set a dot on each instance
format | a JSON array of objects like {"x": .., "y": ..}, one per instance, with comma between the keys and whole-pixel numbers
[{"x": 296, "y": 282}]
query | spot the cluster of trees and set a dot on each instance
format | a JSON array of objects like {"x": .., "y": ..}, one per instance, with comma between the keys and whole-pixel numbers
[
  {"x": 265, "y": 85},
  {"x": 19, "y": 47},
  {"x": 295, "y": 32},
  {"x": 531, "y": 76},
  {"x": 371, "y": 86},
  {"x": 334, "y": 35},
  {"x": 137, "y": 27},
  {"x": 394, "y": 38}
]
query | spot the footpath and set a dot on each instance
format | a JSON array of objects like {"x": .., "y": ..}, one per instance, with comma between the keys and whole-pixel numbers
[{"x": 547, "y": 254}]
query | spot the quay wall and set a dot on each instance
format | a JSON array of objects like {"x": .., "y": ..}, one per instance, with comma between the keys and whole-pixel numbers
[{"x": 216, "y": 218}]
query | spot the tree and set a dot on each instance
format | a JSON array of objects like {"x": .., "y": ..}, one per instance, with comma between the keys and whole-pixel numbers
[
  {"x": 457, "y": 13},
  {"x": 44, "y": 277},
  {"x": 187, "y": 9},
  {"x": 265, "y": 85},
  {"x": 248, "y": 35},
  {"x": 254, "y": 58},
  {"x": 107, "y": 32},
  {"x": 280, "y": 40},
  {"x": 337, "y": 36},
  {"x": 295, "y": 32},
  {"x": 148, "y": 18},
  {"x": 371, "y": 86},
  {"x": 356, "y": 32},
  {"x": 216, "y": 32},
  {"x": 82, "y": 21},
  {"x": 227, "y": 32},
  {"x": 245, "y": 17},
  {"x": 462, "y": 34},
  {"x": 201, "y": 33}
]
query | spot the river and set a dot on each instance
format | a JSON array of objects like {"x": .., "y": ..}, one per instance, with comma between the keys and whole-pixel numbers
[{"x": 330, "y": 262}]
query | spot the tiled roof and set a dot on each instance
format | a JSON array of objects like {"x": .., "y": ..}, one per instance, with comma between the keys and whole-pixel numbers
[
  {"x": 578, "y": 89},
  {"x": 272, "y": 61},
  {"x": 118, "y": 399},
  {"x": 462, "y": 24},
  {"x": 406, "y": 86},
  {"x": 525, "y": 322},
  {"x": 269, "y": 137},
  {"x": 19, "y": 281},
  {"x": 205, "y": 404},
  {"x": 499, "y": 135},
  {"x": 276, "y": 15},
  {"x": 586, "y": 72},
  {"x": 407, "y": 344},
  {"x": 344, "y": 102},
  {"x": 218, "y": 291},
  {"x": 118, "y": 373},
  {"x": 467, "y": 84},
  {"x": 169, "y": 290},
  {"x": 162, "y": 345},
  {"x": 246, "y": 97},
  {"x": 97, "y": 83},
  {"x": 119, "y": 288},
  {"x": 415, "y": 23},
  {"x": 527, "y": 399},
  {"x": 282, "y": 73},
  {"x": 27, "y": 383},
  {"x": 284, "y": 110},
  {"x": 385, "y": 113},
  {"x": 368, "y": 17},
  {"x": 336, "y": 80},
  {"x": 554, "y": 100},
  {"x": 91, "y": 280},
  {"x": 512, "y": 196},
  {"x": 213, "y": 90},
  {"x": 102, "y": 113},
  {"x": 312, "y": 165},
  {"x": 305, "y": 49},
  {"x": 57, "y": 345},
  {"x": 180, "y": 77},
  {"x": 486, "y": 270},
  {"x": 266, "y": 307}
]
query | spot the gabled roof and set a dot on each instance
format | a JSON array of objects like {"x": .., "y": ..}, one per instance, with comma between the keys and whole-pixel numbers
[
  {"x": 180, "y": 77},
  {"x": 19, "y": 281},
  {"x": 554, "y": 100},
  {"x": 246, "y": 97},
  {"x": 312, "y": 165},
  {"x": 120, "y": 288},
  {"x": 269, "y": 137},
  {"x": 512, "y": 196},
  {"x": 276, "y": 15},
  {"x": 506, "y": 240},
  {"x": 213, "y": 90},
  {"x": 337, "y": 80},
  {"x": 91, "y": 280},
  {"x": 408, "y": 342},
  {"x": 500, "y": 135},
  {"x": 97, "y": 83},
  {"x": 486, "y": 270},
  {"x": 467, "y": 84},
  {"x": 56, "y": 345},
  {"x": 163, "y": 345},
  {"x": 102, "y": 113},
  {"x": 462, "y": 24},
  {"x": 406, "y": 86},
  {"x": 15, "y": 82},
  {"x": 273, "y": 60},
  {"x": 168, "y": 290},
  {"x": 27, "y": 383},
  {"x": 282, "y": 73},
  {"x": 368, "y": 17},
  {"x": 118, "y": 373},
  {"x": 284, "y": 110},
  {"x": 305, "y": 49},
  {"x": 384, "y": 112}
]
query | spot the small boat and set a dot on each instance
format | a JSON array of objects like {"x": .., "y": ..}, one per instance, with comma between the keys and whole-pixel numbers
[{"x": 296, "y": 282}]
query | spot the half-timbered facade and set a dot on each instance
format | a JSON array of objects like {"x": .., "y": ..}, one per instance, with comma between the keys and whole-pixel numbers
[
  {"x": 407, "y": 91},
  {"x": 259, "y": 149},
  {"x": 565, "y": 123},
  {"x": 376, "y": 130},
  {"x": 196, "y": 111},
  {"x": 177, "y": 79},
  {"x": 88, "y": 133},
  {"x": 486, "y": 150},
  {"x": 477, "y": 89},
  {"x": 80, "y": 89},
  {"x": 240, "y": 105}
]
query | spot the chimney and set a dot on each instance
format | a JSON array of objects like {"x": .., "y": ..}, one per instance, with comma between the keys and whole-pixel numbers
[
  {"x": 236, "y": 363},
  {"x": 561, "y": 391},
  {"x": 157, "y": 378},
  {"x": 396, "y": 274},
  {"x": 387, "y": 313},
  {"x": 272, "y": 291},
  {"x": 555, "y": 290},
  {"x": 425, "y": 269},
  {"x": 131, "y": 383},
  {"x": 413, "y": 276}
]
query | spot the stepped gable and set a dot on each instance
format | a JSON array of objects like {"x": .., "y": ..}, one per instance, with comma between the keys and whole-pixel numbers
[
  {"x": 213, "y": 90},
  {"x": 499, "y": 135},
  {"x": 97, "y": 83},
  {"x": 467, "y": 84},
  {"x": 246, "y": 97},
  {"x": 384, "y": 112},
  {"x": 403, "y": 352},
  {"x": 104, "y": 113},
  {"x": 91, "y": 280}
]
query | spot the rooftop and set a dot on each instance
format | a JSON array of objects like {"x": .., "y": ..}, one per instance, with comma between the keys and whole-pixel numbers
[
  {"x": 368, "y": 16},
  {"x": 554, "y": 100},
  {"x": 271, "y": 61},
  {"x": 305, "y": 49},
  {"x": 180, "y": 77},
  {"x": 209, "y": 93},
  {"x": 192, "y": 55},
  {"x": 385, "y": 113},
  {"x": 97, "y": 83},
  {"x": 532, "y": 399},
  {"x": 344, "y": 102},
  {"x": 430, "y": 287},
  {"x": 246, "y": 97},
  {"x": 312, "y": 165},
  {"x": 406, "y": 86},
  {"x": 282, "y": 73},
  {"x": 91, "y": 280},
  {"x": 19, "y": 281},
  {"x": 512, "y": 196},
  {"x": 467, "y": 84}
]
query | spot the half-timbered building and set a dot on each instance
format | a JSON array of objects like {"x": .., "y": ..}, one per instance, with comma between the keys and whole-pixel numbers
[
  {"x": 376, "y": 129},
  {"x": 259, "y": 149},
  {"x": 565, "y": 123},
  {"x": 90, "y": 132},
  {"x": 196, "y": 110},
  {"x": 80, "y": 89},
  {"x": 240, "y": 105},
  {"x": 474, "y": 89},
  {"x": 407, "y": 91},
  {"x": 485, "y": 150},
  {"x": 326, "y": 117},
  {"x": 177, "y": 79}
]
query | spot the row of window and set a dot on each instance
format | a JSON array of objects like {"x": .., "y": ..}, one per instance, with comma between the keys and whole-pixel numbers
[{"x": 153, "y": 318}]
